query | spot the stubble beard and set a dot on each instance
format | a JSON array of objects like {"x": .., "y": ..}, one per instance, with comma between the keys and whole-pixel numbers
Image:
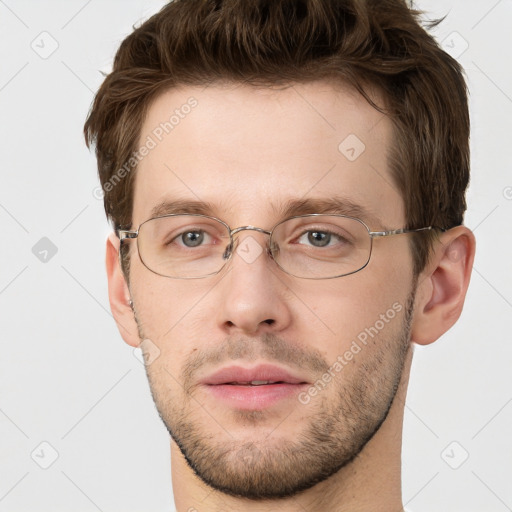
[{"x": 340, "y": 423}]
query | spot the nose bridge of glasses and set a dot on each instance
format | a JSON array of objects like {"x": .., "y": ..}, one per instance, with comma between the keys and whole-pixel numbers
[
  {"x": 234, "y": 241},
  {"x": 249, "y": 228}
]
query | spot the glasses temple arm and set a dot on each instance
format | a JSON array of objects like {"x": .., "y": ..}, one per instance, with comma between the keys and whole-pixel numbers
[
  {"x": 124, "y": 234},
  {"x": 403, "y": 231}
]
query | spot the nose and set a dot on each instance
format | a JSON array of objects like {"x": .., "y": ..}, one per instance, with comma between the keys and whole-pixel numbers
[{"x": 252, "y": 296}]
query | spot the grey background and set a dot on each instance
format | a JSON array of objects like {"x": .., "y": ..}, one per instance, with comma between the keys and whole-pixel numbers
[{"x": 68, "y": 380}]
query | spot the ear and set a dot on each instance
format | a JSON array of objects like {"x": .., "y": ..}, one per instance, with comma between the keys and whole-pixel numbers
[
  {"x": 119, "y": 294},
  {"x": 442, "y": 286}
]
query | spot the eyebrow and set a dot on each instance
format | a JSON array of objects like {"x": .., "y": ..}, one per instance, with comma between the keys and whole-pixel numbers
[
  {"x": 290, "y": 208},
  {"x": 331, "y": 205},
  {"x": 186, "y": 206}
]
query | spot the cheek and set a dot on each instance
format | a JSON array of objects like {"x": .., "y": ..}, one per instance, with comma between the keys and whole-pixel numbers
[
  {"x": 353, "y": 308},
  {"x": 160, "y": 301},
  {"x": 170, "y": 314}
]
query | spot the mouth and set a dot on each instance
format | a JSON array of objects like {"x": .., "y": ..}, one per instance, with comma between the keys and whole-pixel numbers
[
  {"x": 253, "y": 388},
  {"x": 253, "y": 383}
]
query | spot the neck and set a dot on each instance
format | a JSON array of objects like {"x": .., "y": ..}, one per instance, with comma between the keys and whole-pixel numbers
[{"x": 372, "y": 481}]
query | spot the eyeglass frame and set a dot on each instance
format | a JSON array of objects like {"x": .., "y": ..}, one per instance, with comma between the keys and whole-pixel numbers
[{"x": 124, "y": 234}]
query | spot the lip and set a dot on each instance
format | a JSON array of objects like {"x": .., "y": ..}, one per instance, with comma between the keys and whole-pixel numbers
[
  {"x": 245, "y": 397},
  {"x": 264, "y": 372}
]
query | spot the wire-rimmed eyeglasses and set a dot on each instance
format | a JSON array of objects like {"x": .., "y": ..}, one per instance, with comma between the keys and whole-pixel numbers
[{"x": 313, "y": 246}]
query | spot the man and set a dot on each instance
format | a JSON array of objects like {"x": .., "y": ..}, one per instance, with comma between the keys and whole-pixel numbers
[{"x": 286, "y": 181}]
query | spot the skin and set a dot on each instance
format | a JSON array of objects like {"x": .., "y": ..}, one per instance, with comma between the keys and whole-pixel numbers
[{"x": 242, "y": 149}]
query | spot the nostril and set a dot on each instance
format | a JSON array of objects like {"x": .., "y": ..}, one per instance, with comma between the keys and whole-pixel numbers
[{"x": 269, "y": 321}]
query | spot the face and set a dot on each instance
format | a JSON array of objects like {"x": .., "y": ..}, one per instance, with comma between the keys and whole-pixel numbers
[{"x": 245, "y": 154}]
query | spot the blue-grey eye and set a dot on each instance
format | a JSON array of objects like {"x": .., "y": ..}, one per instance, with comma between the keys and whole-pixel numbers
[
  {"x": 319, "y": 238},
  {"x": 192, "y": 238}
]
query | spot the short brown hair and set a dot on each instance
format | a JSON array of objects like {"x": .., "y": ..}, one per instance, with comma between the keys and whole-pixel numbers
[{"x": 376, "y": 43}]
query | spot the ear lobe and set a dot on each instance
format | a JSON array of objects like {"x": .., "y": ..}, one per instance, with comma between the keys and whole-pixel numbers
[
  {"x": 119, "y": 294},
  {"x": 442, "y": 286}
]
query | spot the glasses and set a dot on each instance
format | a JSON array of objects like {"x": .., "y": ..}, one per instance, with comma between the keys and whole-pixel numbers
[{"x": 314, "y": 246}]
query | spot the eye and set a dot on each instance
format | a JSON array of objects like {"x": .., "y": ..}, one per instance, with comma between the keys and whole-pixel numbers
[
  {"x": 318, "y": 238},
  {"x": 192, "y": 238}
]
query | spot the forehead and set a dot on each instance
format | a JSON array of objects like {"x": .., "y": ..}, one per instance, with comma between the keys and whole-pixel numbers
[{"x": 244, "y": 151}]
